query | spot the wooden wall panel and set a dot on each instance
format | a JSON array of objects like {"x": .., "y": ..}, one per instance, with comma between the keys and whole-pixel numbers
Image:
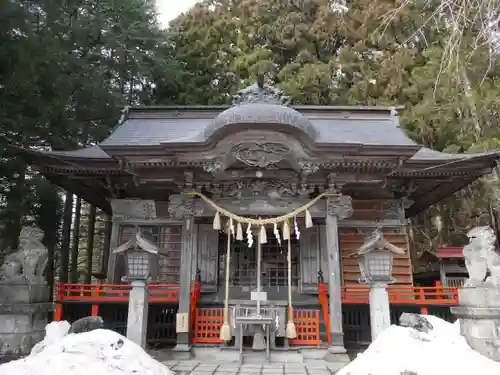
[{"x": 350, "y": 241}]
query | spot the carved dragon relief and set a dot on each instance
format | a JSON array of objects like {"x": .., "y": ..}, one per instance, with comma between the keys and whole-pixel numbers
[{"x": 260, "y": 155}]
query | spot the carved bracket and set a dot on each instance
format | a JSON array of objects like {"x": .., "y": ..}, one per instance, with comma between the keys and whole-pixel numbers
[
  {"x": 340, "y": 206},
  {"x": 183, "y": 207}
]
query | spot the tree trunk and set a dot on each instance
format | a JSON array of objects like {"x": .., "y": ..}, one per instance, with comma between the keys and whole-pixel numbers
[
  {"x": 14, "y": 210},
  {"x": 90, "y": 244},
  {"x": 66, "y": 237},
  {"x": 76, "y": 241}
]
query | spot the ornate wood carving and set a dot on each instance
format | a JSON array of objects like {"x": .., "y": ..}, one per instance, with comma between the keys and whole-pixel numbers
[
  {"x": 260, "y": 155},
  {"x": 248, "y": 206},
  {"x": 308, "y": 167},
  {"x": 214, "y": 166},
  {"x": 182, "y": 207},
  {"x": 340, "y": 206},
  {"x": 273, "y": 189}
]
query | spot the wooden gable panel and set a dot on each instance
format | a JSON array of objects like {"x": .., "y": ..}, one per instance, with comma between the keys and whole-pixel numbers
[{"x": 350, "y": 243}]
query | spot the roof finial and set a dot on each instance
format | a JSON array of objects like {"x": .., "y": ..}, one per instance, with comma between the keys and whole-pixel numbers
[{"x": 260, "y": 92}]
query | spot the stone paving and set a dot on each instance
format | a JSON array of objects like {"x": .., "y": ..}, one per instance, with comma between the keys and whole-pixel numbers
[{"x": 194, "y": 367}]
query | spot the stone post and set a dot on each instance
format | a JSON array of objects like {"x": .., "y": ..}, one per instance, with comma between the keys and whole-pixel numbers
[
  {"x": 137, "y": 321},
  {"x": 183, "y": 208},
  {"x": 337, "y": 208},
  {"x": 380, "y": 315}
]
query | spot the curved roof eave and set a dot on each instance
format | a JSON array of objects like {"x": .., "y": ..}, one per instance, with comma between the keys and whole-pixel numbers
[{"x": 261, "y": 113}]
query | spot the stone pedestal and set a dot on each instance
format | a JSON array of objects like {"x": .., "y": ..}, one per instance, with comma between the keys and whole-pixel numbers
[
  {"x": 23, "y": 315},
  {"x": 137, "y": 320},
  {"x": 380, "y": 315},
  {"x": 479, "y": 314}
]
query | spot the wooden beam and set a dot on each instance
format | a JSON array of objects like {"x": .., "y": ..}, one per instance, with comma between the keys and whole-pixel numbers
[
  {"x": 95, "y": 197},
  {"x": 437, "y": 194}
]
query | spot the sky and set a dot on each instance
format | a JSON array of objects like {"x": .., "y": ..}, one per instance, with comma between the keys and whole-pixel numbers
[{"x": 169, "y": 9}]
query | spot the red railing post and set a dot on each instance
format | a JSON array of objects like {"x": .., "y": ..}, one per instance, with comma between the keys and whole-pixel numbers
[
  {"x": 95, "y": 305},
  {"x": 58, "y": 313},
  {"x": 423, "y": 309},
  {"x": 195, "y": 297},
  {"x": 323, "y": 301}
]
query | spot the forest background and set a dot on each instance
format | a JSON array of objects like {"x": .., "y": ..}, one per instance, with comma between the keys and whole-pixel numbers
[{"x": 67, "y": 68}]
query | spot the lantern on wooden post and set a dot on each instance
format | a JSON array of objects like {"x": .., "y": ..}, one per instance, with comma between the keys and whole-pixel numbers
[
  {"x": 138, "y": 252},
  {"x": 375, "y": 259}
]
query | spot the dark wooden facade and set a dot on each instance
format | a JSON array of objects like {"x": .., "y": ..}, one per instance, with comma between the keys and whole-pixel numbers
[{"x": 261, "y": 157}]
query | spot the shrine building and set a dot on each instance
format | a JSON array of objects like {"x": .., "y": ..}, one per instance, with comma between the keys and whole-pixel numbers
[{"x": 169, "y": 170}]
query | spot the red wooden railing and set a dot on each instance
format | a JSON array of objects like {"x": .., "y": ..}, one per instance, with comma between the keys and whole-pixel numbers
[
  {"x": 99, "y": 293},
  {"x": 405, "y": 295}
]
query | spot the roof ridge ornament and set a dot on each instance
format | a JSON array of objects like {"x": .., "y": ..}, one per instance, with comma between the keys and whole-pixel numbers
[{"x": 260, "y": 92}]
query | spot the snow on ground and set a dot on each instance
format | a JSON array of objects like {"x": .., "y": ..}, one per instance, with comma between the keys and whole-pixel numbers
[
  {"x": 404, "y": 351},
  {"x": 99, "y": 352}
]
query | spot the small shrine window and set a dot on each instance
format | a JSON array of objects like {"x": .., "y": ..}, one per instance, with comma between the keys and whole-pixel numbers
[
  {"x": 168, "y": 239},
  {"x": 274, "y": 265}
]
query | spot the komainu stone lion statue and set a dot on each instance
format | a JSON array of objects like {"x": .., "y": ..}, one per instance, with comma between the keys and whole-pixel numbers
[
  {"x": 28, "y": 263},
  {"x": 481, "y": 257}
]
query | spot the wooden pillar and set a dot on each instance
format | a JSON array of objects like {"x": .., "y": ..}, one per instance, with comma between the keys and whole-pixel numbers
[
  {"x": 113, "y": 244},
  {"x": 337, "y": 208},
  {"x": 189, "y": 246}
]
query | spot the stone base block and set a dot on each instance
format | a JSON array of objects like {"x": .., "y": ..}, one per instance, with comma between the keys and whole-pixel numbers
[
  {"x": 482, "y": 296},
  {"x": 21, "y": 327},
  {"x": 479, "y": 314},
  {"x": 23, "y": 293}
]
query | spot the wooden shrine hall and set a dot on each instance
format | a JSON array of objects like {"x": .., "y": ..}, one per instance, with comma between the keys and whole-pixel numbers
[{"x": 171, "y": 171}]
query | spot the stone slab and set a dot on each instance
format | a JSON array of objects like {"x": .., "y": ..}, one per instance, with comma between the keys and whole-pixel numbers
[
  {"x": 484, "y": 296},
  {"x": 264, "y": 368}
]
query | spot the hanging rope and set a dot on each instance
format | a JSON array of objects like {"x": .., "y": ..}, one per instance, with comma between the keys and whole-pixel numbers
[
  {"x": 225, "y": 331},
  {"x": 291, "y": 331},
  {"x": 258, "y": 222}
]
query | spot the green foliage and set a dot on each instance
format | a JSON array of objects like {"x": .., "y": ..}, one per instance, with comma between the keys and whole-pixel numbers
[
  {"x": 66, "y": 70},
  {"x": 367, "y": 56}
]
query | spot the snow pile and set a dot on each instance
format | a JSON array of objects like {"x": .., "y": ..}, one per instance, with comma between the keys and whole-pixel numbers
[
  {"x": 101, "y": 352},
  {"x": 54, "y": 332},
  {"x": 404, "y": 351}
]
